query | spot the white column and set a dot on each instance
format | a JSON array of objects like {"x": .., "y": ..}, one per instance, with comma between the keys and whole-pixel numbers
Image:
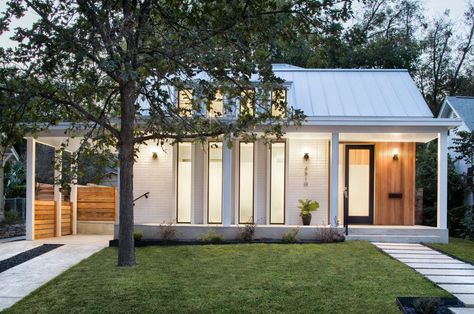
[
  {"x": 334, "y": 180},
  {"x": 442, "y": 180},
  {"x": 226, "y": 183},
  {"x": 30, "y": 187},
  {"x": 74, "y": 206},
  {"x": 57, "y": 192}
]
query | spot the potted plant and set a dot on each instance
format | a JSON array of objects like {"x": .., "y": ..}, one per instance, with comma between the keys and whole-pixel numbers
[{"x": 306, "y": 207}]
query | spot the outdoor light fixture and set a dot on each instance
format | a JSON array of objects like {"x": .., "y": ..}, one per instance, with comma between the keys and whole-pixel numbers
[
  {"x": 155, "y": 155},
  {"x": 395, "y": 153},
  {"x": 306, "y": 157}
]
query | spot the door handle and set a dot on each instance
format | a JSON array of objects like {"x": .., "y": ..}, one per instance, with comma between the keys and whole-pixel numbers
[{"x": 345, "y": 192}]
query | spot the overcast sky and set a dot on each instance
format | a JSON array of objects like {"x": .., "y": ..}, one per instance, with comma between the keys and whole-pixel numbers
[{"x": 433, "y": 8}]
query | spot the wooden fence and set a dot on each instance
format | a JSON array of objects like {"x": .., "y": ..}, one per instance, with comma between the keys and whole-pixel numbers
[
  {"x": 96, "y": 203},
  {"x": 66, "y": 218},
  {"x": 45, "y": 219}
]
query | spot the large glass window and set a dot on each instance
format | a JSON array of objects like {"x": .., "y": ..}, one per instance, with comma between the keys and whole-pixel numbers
[
  {"x": 184, "y": 183},
  {"x": 185, "y": 97},
  {"x": 277, "y": 183},
  {"x": 279, "y": 102},
  {"x": 217, "y": 106},
  {"x": 246, "y": 182},
  {"x": 247, "y": 102},
  {"x": 214, "y": 207}
]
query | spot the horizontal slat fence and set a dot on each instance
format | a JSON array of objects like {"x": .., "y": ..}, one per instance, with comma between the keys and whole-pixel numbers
[
  {"x": 45, "y": 219},
  {"x": 96, "y": 203},
  {"x": 66, "y": 218}
]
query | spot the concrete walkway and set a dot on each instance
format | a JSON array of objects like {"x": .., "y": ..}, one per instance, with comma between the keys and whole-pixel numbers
[
  {"x": 19, "y": 281},
  {"x": 450, "y": 274}
]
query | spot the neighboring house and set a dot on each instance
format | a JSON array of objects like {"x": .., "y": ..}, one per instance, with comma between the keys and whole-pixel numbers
[
  {"x": 10, "y": 155},
  {"x": 355, "y": 155},
  {"x": 461, "y": 107}
]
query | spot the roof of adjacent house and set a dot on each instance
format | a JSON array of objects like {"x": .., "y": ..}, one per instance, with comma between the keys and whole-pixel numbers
[
  {"x": 380, "y": 93},
  {"x": 462, "y": 106}
]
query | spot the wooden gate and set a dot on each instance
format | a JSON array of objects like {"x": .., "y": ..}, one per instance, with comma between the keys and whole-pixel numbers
[
  {"x": 96, "y": 203},
  {"x": 45, "y": 219}
]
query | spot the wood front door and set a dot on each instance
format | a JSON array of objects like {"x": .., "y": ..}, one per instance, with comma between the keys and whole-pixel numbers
[{"x": 359, "y": 184}]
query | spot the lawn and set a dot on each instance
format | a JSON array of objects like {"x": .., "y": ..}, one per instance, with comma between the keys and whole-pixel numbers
[
  {"x": 461, "y": 248},
  {"x": 351, "y": 277}
]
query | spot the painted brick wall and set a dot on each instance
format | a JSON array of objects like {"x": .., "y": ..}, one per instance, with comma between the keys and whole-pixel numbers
[{"x": 317, "y": 178}]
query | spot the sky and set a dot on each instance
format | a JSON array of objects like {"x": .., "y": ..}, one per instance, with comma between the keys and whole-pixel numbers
[{"x": 433, "y": 8}]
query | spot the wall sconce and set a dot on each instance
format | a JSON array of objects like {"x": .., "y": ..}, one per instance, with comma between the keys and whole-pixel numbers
[
  {"x": 306, "y": 156},
  {"x": 395, "y": 153},
  {"x": 154, "y": 155}
]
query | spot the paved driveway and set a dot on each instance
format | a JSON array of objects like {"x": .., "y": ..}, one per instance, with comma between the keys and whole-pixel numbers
[{"x": 19, "y": 281}]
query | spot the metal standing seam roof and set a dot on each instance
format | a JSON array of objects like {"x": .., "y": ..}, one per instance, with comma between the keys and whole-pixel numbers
[
  {"x": 463, "y": 106},
  {"x": 353, "y": 93}
]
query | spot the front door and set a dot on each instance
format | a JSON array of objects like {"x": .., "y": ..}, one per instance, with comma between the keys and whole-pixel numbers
[{"x": 359, "y": 184}]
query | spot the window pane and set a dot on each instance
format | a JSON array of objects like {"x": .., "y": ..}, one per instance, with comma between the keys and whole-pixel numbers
[
  {"x": 359, "y": 182},
  {"x": 215, "y": 183},
  {"x": 278, "y": 102},
  {"x": 217, "y": 106},
  {"x": 277, "y": 184},
  {"x": 185, "y": 101},
  {"x": 246, "y": 183},
  {"x": 184, "y": 182}
]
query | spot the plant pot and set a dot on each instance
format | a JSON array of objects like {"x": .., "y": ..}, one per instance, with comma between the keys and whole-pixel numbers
[{"x": 306, "y": 220}]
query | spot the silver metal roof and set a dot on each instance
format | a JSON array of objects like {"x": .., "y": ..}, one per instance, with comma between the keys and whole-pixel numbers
[
  {"x": 463, "y": 106},
  {"x": 353, "y": 92}
]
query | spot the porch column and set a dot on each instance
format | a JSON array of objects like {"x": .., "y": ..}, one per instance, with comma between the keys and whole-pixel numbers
[
  {"x": 226, "y": 183},
  {"x": 334, "y": 180},
  {"x": 442, "y": 180},
  {"x": 73, "y": 197},
  {"x": 30, "y": 187},
  {"x": 57, "y": 189}
]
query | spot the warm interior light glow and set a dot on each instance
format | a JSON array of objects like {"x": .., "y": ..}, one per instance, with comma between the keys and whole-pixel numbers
[{"x": 184, "y": 182}]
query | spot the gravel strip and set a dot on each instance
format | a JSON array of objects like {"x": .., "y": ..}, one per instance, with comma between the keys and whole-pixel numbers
[{"x": 26, "y": 256}]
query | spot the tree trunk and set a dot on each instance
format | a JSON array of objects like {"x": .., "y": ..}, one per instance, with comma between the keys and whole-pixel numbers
[
  {"x": 2, "y": 191},
  {"x": 126, "y": 254}
]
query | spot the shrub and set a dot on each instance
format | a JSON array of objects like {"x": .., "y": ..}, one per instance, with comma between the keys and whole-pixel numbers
[
  {"x": 328, "y": 235},
  {"x": 11, "y": 218},
  {"x": 247, "y": 232},
  {"x": 427, "y": 305},
  {"x": 138, "y": 235},
  {"x": 469, "y": 223},
  {"x": 167, "y": 232},
  {"x": 16, "y": 191},
  {"x": 291, "y": 236},
  {"x": 307, "y": 206},
  {"x": 211, "y": 236}
]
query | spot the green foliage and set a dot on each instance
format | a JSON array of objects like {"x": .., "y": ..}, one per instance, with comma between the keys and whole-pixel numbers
[
  {"x": 463, "y": 146},
  {"x": 16, "y": 191},
  {"x": 427, "y": 305},
  {"x": 11, "y": 218},
  {"x": 291, "y": 236},
  {"x": 138, "y": 235},
  {"x": 307, "y": 206},
  {"x": 247, "y": 233},
  {"x": 468, "y": 223},
  {"x": 211, "y": 236}
]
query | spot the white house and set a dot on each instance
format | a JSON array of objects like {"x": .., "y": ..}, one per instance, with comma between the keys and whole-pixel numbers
[
  {"x": 461, "y": 107},
  {"x": 355, "y": 155}
]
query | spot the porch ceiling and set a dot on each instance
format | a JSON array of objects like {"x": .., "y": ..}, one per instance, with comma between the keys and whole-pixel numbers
[{"x": 387, "y": 137}]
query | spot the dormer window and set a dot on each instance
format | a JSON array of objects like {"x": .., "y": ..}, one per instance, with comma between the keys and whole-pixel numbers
[
  {"x": 185, "y": 102},
  {"x": 217, "y": 106},
  {"x": 279, "y": 101}
]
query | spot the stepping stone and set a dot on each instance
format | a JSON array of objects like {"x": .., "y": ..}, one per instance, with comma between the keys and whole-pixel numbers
[
  {"x": 403, "y": 247},
  {"x": 418, "y": 256},
  {"x": 461, "y": 310},
  {"x": 430, "y": 260},
  {"x": 446, "y": 272},
  {"x": 452, "y": 279},
  {"x": 458, "y": 288},
  {"x": 440, "y": 266},
  {"x": 467, "y": 299},
  {"x": 396, "y": 244}
]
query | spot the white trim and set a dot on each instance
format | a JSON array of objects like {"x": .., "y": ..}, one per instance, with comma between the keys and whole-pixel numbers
[
  {"x": 442, "y": 197},
  {"x": 226, "y": 183},
  {"x": 334, "y": 180},
  {"x": 30, "y": 187},
  {"x": 57, "y": 192}
]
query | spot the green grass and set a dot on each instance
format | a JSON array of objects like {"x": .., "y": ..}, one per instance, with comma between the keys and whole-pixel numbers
[
  {"x": 461, "y": 248},
  {"x": 351, "y": 277}
]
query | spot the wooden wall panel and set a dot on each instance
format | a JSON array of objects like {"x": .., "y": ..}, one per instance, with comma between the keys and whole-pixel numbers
[
  {"x": 45, "y": 219},
  {"x": 395, "y": 176},
  {"x": 66, "y": 218},
  {"x": 96, "y": 203}
]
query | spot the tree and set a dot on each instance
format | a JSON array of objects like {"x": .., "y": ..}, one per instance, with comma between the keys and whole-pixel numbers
[{"x": 118, "y": 64}]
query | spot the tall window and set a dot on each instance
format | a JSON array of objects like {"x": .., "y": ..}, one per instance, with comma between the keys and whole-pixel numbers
[
  {"x": 217, "y": 106},
  {"x": 185, "y": 97},
  {"x": 246, "y": 153},
  {"x": 277, "y": 183},
  {"x": 247, "y": 102},
  {"x": 183, "y": 168},
  {"x": 279, "y": 100},
  {"x": 214, "y": 191}
]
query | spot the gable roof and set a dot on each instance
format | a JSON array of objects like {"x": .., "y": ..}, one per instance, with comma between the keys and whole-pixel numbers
[
  {"x": 462, "y": 106},
  {"x": 371, "y": 93}
]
